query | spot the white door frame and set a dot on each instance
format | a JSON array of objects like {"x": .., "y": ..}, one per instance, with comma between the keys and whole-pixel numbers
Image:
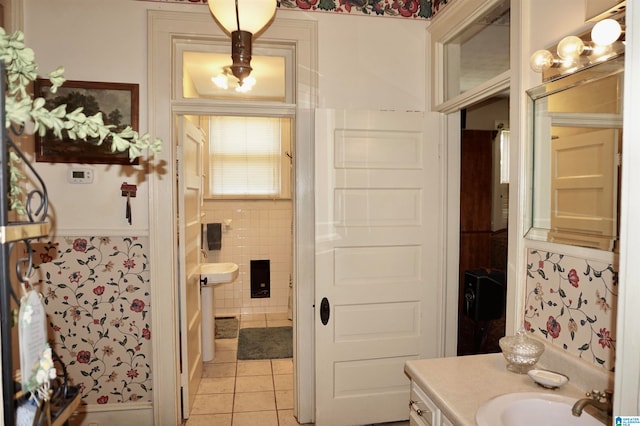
[
  {"x": 163, "y": 26},
  {"x": 441, "y": 31},
  {"x": 626, "y": 401}
]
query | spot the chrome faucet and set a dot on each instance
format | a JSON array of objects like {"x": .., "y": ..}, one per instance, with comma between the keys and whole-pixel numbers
[{"x": 603, "y": 401}]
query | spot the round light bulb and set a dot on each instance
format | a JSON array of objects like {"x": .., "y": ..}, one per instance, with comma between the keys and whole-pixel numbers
[
  {"x": 220, "y": 81},
  {"x": 247, "y": 84},
  {"x": 600, "y": 52},
  {"x": 541, "y": 60},
  {"x": 570, "y": 47},
  {"x": 606, "y": 32}
]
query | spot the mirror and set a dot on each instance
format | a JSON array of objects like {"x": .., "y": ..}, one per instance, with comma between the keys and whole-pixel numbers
[{"x": 576, "y": 146}]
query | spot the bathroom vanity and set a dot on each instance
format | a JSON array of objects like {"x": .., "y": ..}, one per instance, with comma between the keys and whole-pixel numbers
[{"x": 449, "y": 391}]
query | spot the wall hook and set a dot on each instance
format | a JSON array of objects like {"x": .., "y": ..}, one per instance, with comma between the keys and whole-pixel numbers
[{"x": 129, "y": 191}]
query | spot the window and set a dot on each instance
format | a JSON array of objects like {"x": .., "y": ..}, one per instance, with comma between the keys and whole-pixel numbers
[
  {"x": 249, "y": 157},
  {"x": 470, "y": 53}
]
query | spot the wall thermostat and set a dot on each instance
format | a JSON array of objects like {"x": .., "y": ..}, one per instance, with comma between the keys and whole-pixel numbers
[{"x": 80, "y": 175}]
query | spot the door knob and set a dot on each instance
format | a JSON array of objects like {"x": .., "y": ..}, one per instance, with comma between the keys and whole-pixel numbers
[{"x": 325, "y": 311}]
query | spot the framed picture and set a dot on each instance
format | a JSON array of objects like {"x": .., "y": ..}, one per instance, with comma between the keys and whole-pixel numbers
[{"x": 118, "y": 103}]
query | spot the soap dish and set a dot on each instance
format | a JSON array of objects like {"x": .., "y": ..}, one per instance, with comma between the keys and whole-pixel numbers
[{"x": 548, "y": 379}]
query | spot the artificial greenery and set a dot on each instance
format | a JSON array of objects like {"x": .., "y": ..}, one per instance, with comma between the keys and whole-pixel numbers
[{"x": 23, "y": 110}]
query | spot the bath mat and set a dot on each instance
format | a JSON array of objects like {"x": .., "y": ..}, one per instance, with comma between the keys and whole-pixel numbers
[
  {"x": 226, "y": 328},
  {"x": 265, "y": 343}
]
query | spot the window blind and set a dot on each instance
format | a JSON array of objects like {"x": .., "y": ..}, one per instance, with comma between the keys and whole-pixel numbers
[{"x": 245, "y": 156}]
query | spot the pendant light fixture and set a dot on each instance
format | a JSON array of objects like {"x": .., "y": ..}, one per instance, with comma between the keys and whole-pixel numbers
[{"x": 242, "y": 19}]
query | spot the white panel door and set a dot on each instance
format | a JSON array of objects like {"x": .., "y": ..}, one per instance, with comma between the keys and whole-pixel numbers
[
  {"x": 378, "y": 216},
  {"x": 189, "y": 155},
  {"x": 583, "y": 188}
]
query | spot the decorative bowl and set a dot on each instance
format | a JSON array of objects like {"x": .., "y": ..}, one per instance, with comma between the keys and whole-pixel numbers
[{"x": 520, "y": 352}]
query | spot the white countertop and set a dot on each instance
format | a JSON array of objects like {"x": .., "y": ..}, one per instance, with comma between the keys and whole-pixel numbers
[{"x": 460, "y": 385}]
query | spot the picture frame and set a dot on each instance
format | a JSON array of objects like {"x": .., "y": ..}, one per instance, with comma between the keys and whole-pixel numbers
[{"x": 118, "y": 103}]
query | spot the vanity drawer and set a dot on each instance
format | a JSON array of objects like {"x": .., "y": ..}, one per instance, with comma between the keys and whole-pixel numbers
[
  {"x": 422, "y": 411},
  {"x": 415, "y": 420}
]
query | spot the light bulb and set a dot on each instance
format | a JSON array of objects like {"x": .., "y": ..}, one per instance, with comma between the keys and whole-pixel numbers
[
  {"x": 249, "y": 81},
  {"x": 606, "y": 32},
  {"x": 247, "y": 84},
  {"x": 600, "y": 52},
  {"x": 570, "y": 47},
  {"x": 220, "y": 81},
  {"x": 541, "y": 60}
]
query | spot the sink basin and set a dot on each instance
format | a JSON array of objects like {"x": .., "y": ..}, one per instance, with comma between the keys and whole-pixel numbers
[
  {"x": 531, "y": 409},
  {"x": 218, "y": 273}
]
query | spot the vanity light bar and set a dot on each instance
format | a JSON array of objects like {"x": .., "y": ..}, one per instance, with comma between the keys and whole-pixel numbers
[{"x": 605, "y": 41}]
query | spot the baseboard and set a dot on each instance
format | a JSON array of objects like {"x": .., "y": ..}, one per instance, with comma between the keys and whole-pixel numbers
[{"x": 126, "y": 414}]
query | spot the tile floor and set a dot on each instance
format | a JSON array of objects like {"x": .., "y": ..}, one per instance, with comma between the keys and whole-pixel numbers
[{"x": 247, "y": 393}]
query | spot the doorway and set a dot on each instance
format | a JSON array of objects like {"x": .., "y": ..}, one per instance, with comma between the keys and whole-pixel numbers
[
  {"x": 247, "y": 219},
  {"x": 232, "y": 383},
  {"x": 484, "y": 210},
  {"x": 166, "y": 29}
]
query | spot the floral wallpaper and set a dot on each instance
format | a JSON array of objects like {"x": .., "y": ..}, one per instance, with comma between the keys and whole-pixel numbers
[
  {"x": 96, "y": 295},
  {"x": 399, "y": 8},
  {"x": 571, "y": 303}
]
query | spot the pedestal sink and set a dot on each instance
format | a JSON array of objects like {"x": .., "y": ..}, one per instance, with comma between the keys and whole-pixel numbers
[
  {"x": 218, "y": 273},
  {"x": 212, "y": 275},
  {"x": 531, "y": 409}
]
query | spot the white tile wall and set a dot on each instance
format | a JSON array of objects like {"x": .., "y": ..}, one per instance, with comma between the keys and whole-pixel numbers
[{"x": 259, "y": 230}]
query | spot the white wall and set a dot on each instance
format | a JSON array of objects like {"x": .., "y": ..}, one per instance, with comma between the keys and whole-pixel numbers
[
  {"x": 483, "y": 116},
  {"x": 365, "y": 63},
  {"x": 371, "y": 63},
  {"x": 94, "y": 41}
]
